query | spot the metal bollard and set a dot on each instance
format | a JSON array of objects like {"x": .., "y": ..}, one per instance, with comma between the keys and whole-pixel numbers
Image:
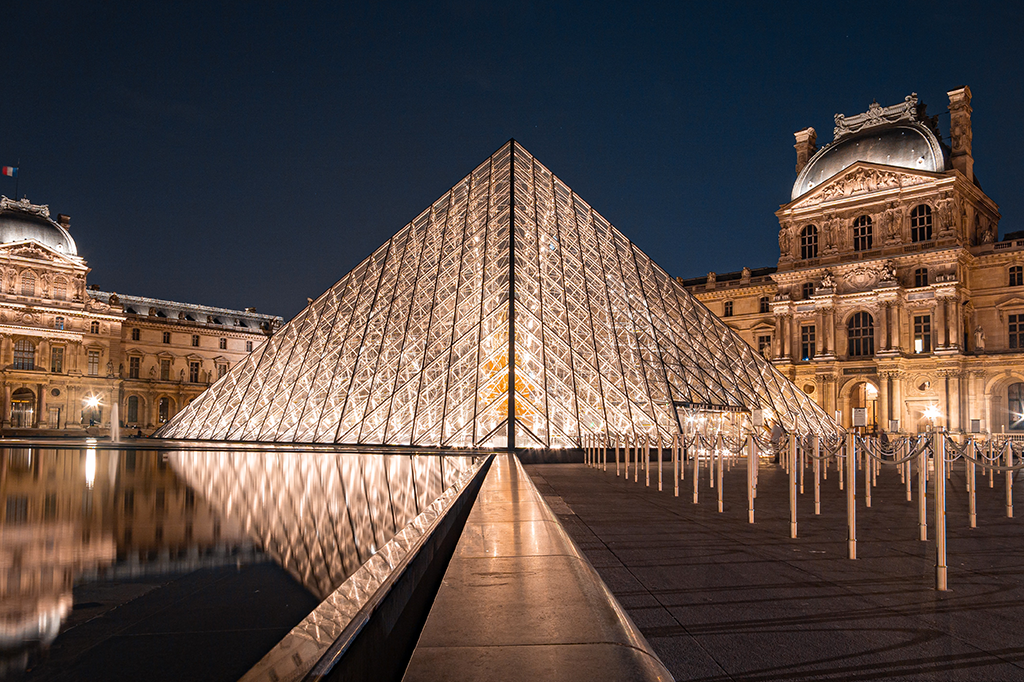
[
  {"x": 1008, "y": 460},
  {"x": 792, "y": 485},
  {"x": 816, "y": 453},
  {"x": 939, "y": 445},
  {"x": 922, "y": 493},
  {"x": 751, "y": 468},
  {"x": 851, "y": 494}
]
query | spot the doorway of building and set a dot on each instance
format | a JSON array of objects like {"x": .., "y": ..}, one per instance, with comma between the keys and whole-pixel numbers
[
  {"x": 865, "y": 395},
  {"x": 23, "y": 408}
]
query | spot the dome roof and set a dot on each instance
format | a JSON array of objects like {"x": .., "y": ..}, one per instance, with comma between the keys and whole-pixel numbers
[
  {"x": 22, "y": 221},
  {"x": 906, "y": 145}
]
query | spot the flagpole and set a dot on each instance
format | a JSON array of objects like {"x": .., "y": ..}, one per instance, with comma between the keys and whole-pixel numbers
[{"x": 17, "y": 172}]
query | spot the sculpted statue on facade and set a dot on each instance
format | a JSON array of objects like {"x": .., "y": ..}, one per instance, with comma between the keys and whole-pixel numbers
[
  {"x": 828, "y": 281},
  {"x": 712, "y": 277},
  {"x": 979, "y": 338},
  {"x": 830, "y": 228},
  {"x": 947, "y": 213},
  {"x": 784, "y": 242},
  {"x": 745, "y": 275},
  {"x": 893, "y": 220}
]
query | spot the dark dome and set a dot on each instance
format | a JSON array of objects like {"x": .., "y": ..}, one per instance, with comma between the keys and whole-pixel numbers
[
  {"x": 18, "y": 226},
  {"x": 904, "y": 145}
]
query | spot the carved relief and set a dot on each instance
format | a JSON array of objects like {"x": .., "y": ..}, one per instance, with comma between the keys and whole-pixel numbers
[
  {"x": 948, "y": 213},
  {"x": 830, "y": 229},
  {"x": 907, "y": 110},
  {"x": 862, "y": 181}
]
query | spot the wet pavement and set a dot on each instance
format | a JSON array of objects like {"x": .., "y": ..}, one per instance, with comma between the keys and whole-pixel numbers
[{"x": 719, "y": 599}]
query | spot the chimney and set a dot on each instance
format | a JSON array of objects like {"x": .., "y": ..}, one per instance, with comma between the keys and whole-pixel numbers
[
  {"x": 805, "y": 147},
  {"x": 64, "y": 220},
  {"x": 960, "y": 130}
]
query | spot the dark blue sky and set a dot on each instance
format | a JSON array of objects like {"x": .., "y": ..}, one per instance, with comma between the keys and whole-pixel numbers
[{"x": 252, "y": 154}]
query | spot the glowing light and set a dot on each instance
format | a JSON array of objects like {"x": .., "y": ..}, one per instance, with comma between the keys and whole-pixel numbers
[
  {"x": 92, "y": 401},
  {"x": 90, "y": 467},
  {"x": 932, "y": 413}
]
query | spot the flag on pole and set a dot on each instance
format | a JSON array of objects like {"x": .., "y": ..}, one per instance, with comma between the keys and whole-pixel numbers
[{"x": 10, "y": 171}]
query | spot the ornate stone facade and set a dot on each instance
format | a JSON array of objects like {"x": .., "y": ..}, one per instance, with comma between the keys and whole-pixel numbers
[
  {"x": 891, "y": 292},
  {"x": 69, "y": 351}
]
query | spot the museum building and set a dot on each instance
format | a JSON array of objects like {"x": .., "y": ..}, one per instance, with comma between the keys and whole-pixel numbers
[
  {"x": 69, "y": 351},
  {"x": 891, "y": 292}
]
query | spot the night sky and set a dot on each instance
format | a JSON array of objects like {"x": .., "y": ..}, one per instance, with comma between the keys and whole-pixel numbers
[{"x": 250, "y": 155}]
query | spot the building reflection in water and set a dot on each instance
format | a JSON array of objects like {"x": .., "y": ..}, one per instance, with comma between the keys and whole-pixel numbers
[
  {"x": 70, "y": 517},
  {"x": 319, "y": 515}
]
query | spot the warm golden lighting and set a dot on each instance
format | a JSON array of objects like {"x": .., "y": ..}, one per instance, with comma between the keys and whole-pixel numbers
[
  {"x": 92, "y": 401},
  {"x": 90, "y": 467}
]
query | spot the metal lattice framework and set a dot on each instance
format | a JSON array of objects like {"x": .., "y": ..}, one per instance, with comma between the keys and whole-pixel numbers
[
  {"x": 319, "y": 515},
  {"x": 412, "y": 347}
]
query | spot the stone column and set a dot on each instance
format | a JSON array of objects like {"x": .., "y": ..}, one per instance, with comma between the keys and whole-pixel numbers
[
  {"x": 780, "y": 339},
  {"x": 830, "y": 330},
  {"x": 7, "y": 404},
  {"x": 43, "y": 420},
  {"x": 805, "y": 146},
  {"x": 883, "y": 400},
  {"x": 960, "y": 131},
  {"x": 897, "y": 398},
  {"x": 887, "y": 317},
  {"x": 940, "y": 323},
  {"x": 897, "y": 315}
]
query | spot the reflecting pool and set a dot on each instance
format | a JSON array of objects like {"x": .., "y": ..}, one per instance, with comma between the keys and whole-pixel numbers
[{"x": 173, "y": 538}]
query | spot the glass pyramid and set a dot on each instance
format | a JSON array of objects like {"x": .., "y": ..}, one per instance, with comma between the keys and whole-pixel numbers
[{"x": 413, "y": 346}]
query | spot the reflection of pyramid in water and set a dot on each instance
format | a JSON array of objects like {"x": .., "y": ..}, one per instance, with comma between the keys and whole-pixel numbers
[{"x": 413, "y": 345}]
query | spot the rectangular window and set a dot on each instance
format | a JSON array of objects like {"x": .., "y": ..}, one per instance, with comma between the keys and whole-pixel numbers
[
  {"x": 248, "y": 346},
  {"x": 94, "y": 363},
  {"x": 167, "y": 337},
  {"x": 134, "y": 364},
  {"x": 136, "y": 334},
  {"x": 195, "y": 340},
  {"x": 807, "y": 342},
  {"x": 58, "y": 322},
  {"x": 764, "y": 342},
  {"x": 94, "y": 328},
  {"x": 922, "y": 333},
  {"x": 57, "y": 359},
  {"x": 223, "y": 344},
  {"x": 1016, "y": 331},
  {"x": 193, "y": 372},
  {"x": 222, "y": 369},
  {"x": 165, "y": 369}
]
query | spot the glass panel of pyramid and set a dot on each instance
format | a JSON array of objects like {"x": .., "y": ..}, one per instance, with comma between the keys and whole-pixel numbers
[{"x": 509, "y": 295}]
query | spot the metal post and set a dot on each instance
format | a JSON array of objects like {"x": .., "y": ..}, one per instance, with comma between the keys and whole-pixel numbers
[
  {"x": 636, "y": 458},
  {"x": 604, "y": 450},
  {"x": 939, "y": 446},
  {"x": 647, "y": 462},
  {"x": 711, "y": 462},
  {"x": 922, "y": 493},
  {"x": 792, "y": 485},
  {"x": 851, "y": 494},
  {"x": 803, "y": 464},
  {"x": 721, "y": 463},
  {"x": 751, "y": 467},
  {"x": 971, "y": 485},
  {"x": 675, "y": 462},
  {"x": 616, "y": 455},
  {"x": 907, "y": 475},
  {"x": 816, "y": 453},
  {"x": 868, "y": 470},
  {"x": 660, "y": 449},
  {"x": 1008, "y": 461},
  {"x": 840, "y": 463},
  {"x": 696, "y": 468}
]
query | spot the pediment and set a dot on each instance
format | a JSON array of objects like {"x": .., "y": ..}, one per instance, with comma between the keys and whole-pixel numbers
[
  {"x": 1010, "y": 304},
  {"x": 862, "y": 178},
  {"x": 34, "y": 250}
]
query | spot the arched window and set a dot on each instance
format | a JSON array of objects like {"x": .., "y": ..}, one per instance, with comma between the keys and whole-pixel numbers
[
  {"x": 806, "y": 290},
  {"x": 133, "y": 410},
  {"x": 1015, "y": 403},
  {"x": 28, "y": 284},
  {"x": 60, "y": 289},
  {"x": 1016, "y": 275},
  {"x": 921, "y": 223},
  {"x": 860, "y": 332},
  {"x": 23, "y": 408},
  {"x": 921, "y": 277},
  {"x": 809, "y": 242},
  {"x": 164, "y": 409},
  {"x": 764, "y": 305},
  {"x": 24, "y": 354},
  {"x": 727, "y": 309},
  {"x": 862, "y": 233}
]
